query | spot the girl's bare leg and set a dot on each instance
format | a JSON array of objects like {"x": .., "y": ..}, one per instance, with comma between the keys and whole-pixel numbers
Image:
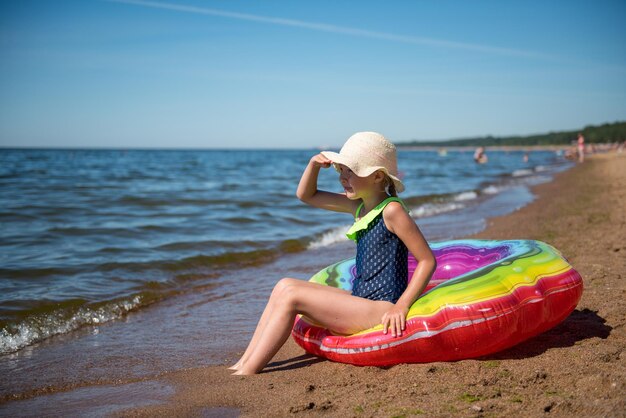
[
  {"x": 255, "y": 337},
  {"x": 332, "y": 308},
  {"x": 275, "y": 298},
  {"x": 260, "y": 326}
]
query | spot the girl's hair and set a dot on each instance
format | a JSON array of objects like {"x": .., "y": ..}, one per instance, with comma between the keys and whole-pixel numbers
[{"x": 390, "y": 188}]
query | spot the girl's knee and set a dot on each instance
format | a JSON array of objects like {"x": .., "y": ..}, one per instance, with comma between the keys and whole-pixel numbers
[
  {"x": 282, "y": 285},
  {"x": 286, "y": 291}
]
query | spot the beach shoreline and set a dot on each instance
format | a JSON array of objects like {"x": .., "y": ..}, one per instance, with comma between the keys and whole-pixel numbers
[
  {"x": 538, "y": 376},
  {"x": 578, "y": 368}
]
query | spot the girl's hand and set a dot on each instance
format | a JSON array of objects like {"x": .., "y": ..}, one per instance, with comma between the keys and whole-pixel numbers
[
  {"x": 320, "y": 161},
  {"x": 395, "y": 320}
]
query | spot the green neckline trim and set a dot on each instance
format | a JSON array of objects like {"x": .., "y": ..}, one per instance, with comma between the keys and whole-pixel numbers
[{"x": 362, "y": 223}]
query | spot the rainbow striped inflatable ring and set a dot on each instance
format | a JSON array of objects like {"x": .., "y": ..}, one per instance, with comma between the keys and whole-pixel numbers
[{"x": 484, "y": 297}]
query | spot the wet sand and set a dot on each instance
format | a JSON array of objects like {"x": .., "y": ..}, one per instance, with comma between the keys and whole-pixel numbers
[{"x": 576, "y": 369}]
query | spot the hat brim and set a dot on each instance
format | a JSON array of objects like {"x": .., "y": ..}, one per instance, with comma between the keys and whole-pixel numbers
[{"x": 337, "y": 158}]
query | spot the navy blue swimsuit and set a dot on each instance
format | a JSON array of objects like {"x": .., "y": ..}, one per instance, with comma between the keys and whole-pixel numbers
[{"x": 381, "y": 262}]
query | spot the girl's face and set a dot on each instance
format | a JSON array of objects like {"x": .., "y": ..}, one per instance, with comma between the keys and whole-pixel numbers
[{"x": 356, "y": 187}]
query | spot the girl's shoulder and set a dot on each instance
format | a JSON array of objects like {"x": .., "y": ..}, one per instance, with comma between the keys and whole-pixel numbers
[
  {"x": 395, "y": 209},
  {"x": 397, "y": 216},
  {"x": 363, "y": 221}
]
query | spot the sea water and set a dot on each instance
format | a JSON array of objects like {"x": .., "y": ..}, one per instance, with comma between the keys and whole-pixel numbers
[
  {"x": 118, "y": 266},
  {"x": 87, "y": 236}
]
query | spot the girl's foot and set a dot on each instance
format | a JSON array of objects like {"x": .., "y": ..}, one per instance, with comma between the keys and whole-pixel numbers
[
  {"x": 241, "y": 373},
  {"x": 235, "y": 366}
]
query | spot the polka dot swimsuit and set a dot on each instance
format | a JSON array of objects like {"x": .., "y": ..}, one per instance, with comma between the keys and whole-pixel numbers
[{"x": 381, "y": 263}]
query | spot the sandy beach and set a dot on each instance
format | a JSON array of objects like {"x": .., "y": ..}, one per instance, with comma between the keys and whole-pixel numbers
[
  {"x": 165, "y": 163},
  {"x": 576, "y": 369}
]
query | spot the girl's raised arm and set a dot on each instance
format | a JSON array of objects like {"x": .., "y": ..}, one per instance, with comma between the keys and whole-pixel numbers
[{"x": 308, "y": 192}]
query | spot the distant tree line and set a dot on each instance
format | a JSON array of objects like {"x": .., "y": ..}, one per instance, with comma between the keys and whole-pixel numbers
[{"x": 609, "y": 132}]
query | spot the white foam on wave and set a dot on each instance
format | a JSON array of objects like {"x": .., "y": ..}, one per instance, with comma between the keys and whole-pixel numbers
[
  {"x": 522, "y": 172},
  {"x": 331, "y": 237},
  {"x": 38, "y": 328},
  {"x": 431, "y": 209},
  {"x": 465, "y": 196},
  {"x": 540, "y": 168},
  {"x": 491, "y": 190}
]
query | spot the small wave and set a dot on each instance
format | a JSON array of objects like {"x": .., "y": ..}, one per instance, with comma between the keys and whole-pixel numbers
[
  {"x": 239, "y": 220},
  {"x": 206, "y": 244},
  {"x": 537, "y": 179},
  {"x": 229, "y": 259},
  {"x": 151, "y": 203},
  {"x": 74, "y": 231},
  {"x": 430, "y": 209},
  {"x": 16, "y": 217},
  {"x": 35, "y": 273},
  {"x": 522, "y": 172},
  {"x": 200, "y": 262},
  {"x": 41, "y": 326},
  {"x": 153, "y": 228},
  {"x": 299, "y": 221},
  {"x": 142, "y": 201},
  {"x": 331, "y": 237},
  {"x": 41, "y": 210},
  {"x": 540, "y": 168},
  {"x": 491, "y": 190},
  {"x": 230, "y": 187},
  {"x": 464, "y": 196},
  {"x": 250, "y": 204}
]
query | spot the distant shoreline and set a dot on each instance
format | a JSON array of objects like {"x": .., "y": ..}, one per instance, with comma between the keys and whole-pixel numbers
[
  {"x": 608, "y": 133},
  {"x": 469, "y": 148}
]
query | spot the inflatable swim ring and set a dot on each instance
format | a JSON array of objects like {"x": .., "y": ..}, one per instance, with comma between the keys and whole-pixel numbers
[{"x": 484, "y": 297}]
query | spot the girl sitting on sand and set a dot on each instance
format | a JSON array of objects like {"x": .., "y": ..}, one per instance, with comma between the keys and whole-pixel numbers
[{"x": 383, "y": 231}]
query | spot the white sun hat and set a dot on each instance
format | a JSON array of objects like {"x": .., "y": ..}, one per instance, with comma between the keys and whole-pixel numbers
[{"x": 366, "y": 152}]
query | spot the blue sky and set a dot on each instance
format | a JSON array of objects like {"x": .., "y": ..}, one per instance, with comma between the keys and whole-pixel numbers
[{"x": 221, "y": 74}]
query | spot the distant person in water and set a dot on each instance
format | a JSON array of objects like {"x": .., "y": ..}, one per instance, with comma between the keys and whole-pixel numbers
[
  {"x": 479, "y": 155},
  {"x": 581, "y": 148}
]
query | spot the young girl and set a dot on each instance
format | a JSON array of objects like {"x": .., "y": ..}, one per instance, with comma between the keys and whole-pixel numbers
[{"x": 383, "y": 231}]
